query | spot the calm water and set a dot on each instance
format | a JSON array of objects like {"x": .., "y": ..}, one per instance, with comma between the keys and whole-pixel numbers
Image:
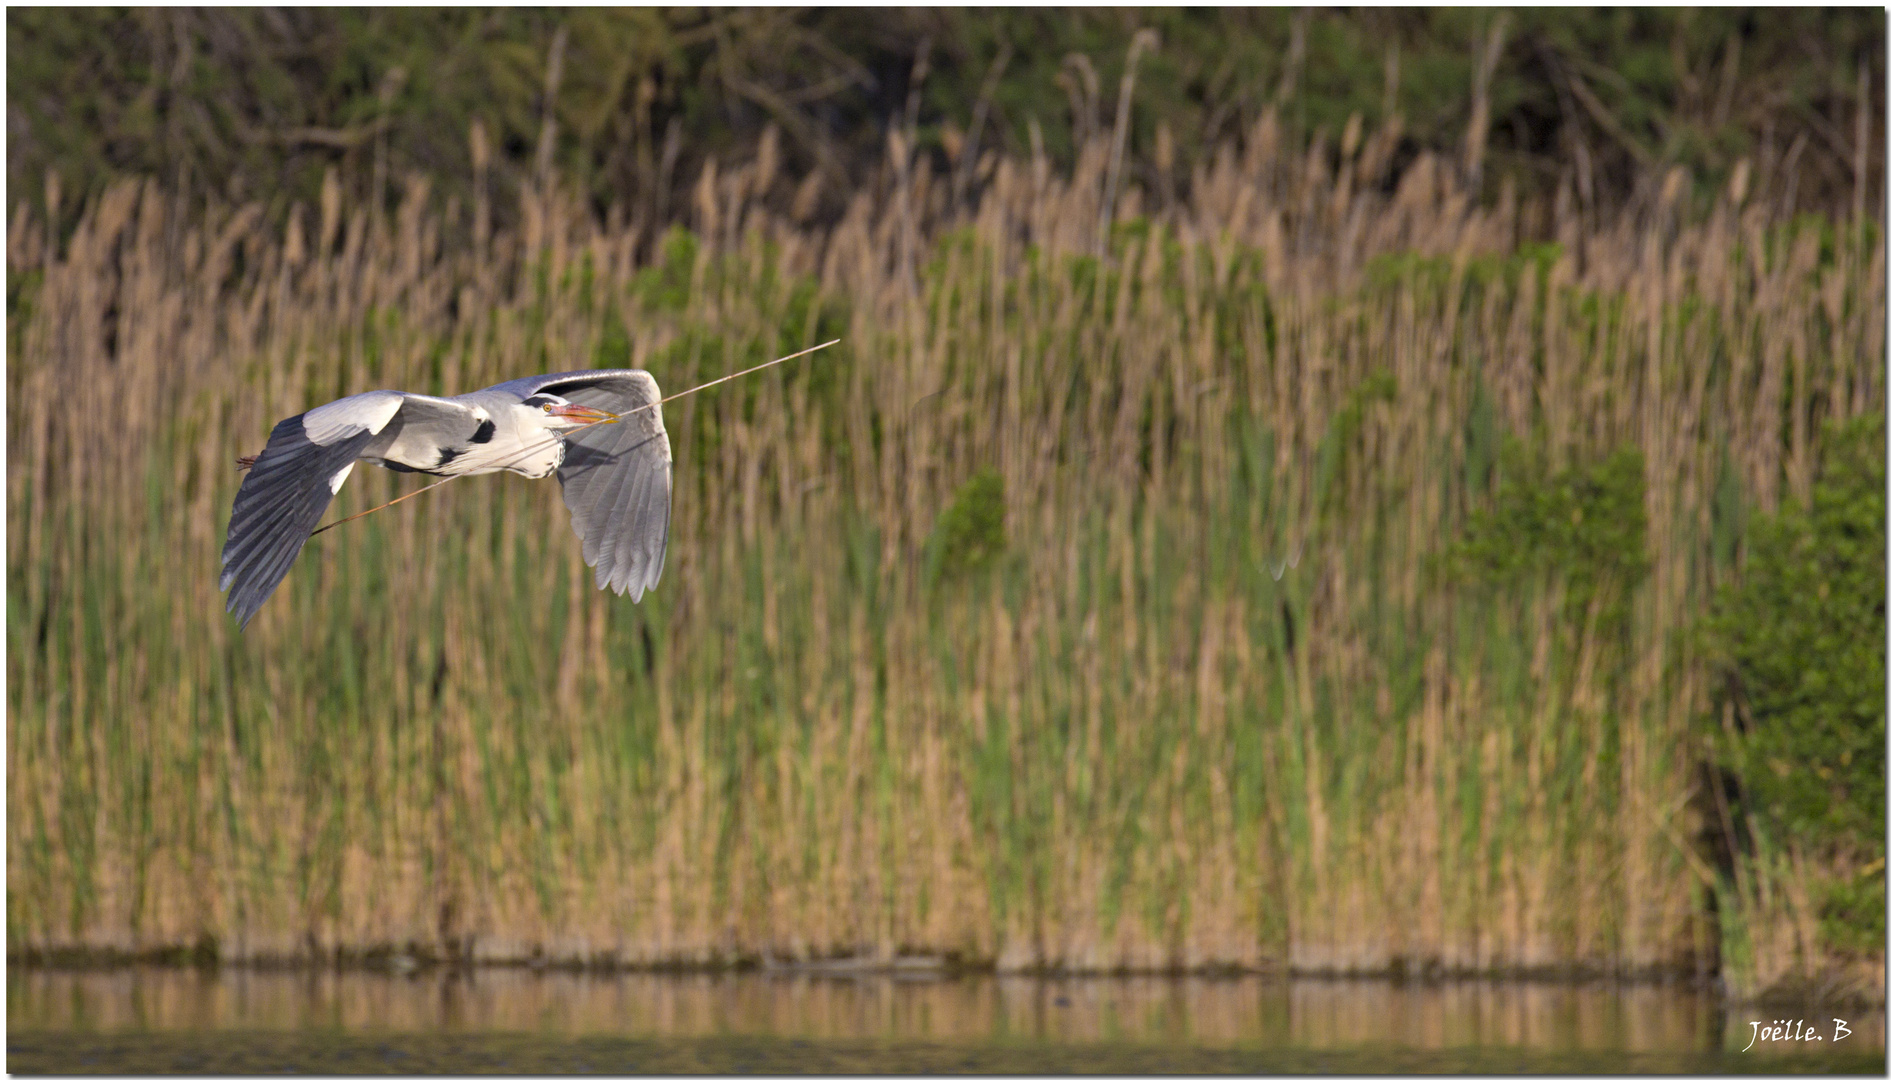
[{"x": 157, "y": 1021}]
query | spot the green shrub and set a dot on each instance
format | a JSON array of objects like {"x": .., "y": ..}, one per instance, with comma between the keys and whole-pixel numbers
[
  {"x": 1799, "y": 644},
  {"x": 970, "y": 534},
  {"x": 1590, "y": 524}
]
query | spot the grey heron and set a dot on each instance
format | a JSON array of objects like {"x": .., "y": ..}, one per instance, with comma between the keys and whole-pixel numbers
[{"x": 600, "y": 431}]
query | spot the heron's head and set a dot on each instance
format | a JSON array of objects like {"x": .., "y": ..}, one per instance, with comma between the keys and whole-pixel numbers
[{"x": 558, "y": 414}]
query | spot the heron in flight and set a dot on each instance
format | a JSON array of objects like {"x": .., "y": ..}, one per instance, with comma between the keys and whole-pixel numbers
[{"x": 600, "y": 431}]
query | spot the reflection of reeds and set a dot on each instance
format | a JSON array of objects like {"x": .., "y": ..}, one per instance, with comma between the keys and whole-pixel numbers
[
  {"x": 1312, "y": 1014},
  {"x": 1147, "y": 738}
]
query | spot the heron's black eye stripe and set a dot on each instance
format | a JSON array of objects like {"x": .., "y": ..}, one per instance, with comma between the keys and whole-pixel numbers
[
  {"x": 484, "y": 432},
  {"x": 537, "y": 400}
]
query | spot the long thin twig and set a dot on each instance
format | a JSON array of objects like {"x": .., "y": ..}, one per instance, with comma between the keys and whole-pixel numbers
[
  {"x": 614, "y": 419},
  {"x": 383, "y": 506},
  {"x": 713, "y": 382}
]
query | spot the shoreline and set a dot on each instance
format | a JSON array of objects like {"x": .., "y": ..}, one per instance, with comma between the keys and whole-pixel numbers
[{"x": 411, "y": 961}]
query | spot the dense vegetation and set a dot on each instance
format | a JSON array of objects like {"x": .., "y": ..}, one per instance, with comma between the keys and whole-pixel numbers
[
  {"x": 1287, "y": 550},
  {"x": 628, "y": 103},
  {"x": 1801, "y": 640}
]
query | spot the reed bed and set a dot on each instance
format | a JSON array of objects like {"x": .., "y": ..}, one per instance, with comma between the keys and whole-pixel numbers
[{"x": 1214, "y": 704}]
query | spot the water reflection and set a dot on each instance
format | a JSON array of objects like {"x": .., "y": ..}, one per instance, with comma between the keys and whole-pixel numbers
[{"x": 1300, "y": 1015}]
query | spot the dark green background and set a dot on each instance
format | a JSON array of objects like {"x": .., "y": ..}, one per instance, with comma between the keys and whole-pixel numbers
[{"x": 256, "y": 103}]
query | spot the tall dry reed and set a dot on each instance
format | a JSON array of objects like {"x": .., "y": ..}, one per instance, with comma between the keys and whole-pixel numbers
[{"x": 1212, "y": 707}]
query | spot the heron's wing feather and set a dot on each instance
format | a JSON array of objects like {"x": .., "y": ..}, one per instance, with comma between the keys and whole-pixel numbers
[
  {"x": 616, "y": 475},
  {"x": 291, "y": 483}
]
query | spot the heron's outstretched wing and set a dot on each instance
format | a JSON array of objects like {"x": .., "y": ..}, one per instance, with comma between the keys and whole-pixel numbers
[
  {"x": 616, "y": 475},
  {"x": 291, "y": 483}
]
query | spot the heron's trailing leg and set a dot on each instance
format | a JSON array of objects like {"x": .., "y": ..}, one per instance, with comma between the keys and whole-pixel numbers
[{"x": 243, "y": 463}]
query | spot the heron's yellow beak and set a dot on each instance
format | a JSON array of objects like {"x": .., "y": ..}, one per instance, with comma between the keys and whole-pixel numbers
[{"x": 584, "y": 414}]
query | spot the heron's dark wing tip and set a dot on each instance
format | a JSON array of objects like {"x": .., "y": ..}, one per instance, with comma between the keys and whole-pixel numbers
[{"x": 277, "y": 506}]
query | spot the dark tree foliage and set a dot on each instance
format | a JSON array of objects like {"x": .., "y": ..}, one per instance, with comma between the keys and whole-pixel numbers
[{"x": 258, "y": 102}]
